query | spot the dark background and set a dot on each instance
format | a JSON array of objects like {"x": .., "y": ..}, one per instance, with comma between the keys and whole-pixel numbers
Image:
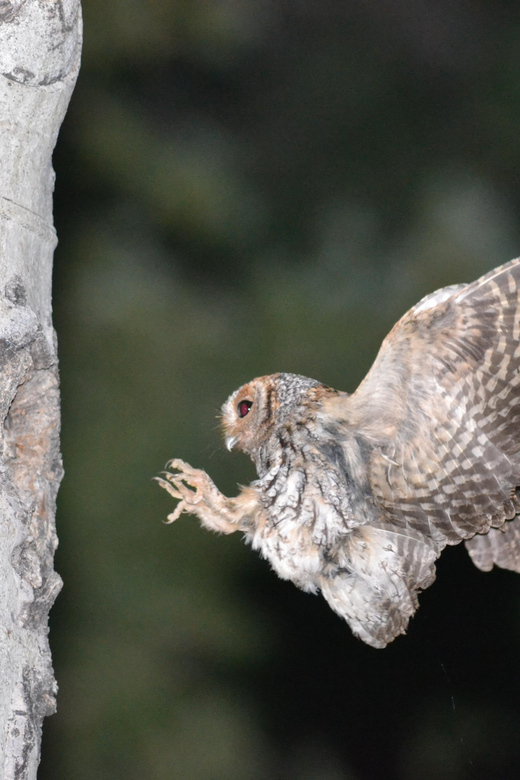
[{"x": 243, "y": 188}]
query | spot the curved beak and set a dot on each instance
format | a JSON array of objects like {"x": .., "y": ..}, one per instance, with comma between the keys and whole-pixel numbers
[{"x": 230, "y": 442}]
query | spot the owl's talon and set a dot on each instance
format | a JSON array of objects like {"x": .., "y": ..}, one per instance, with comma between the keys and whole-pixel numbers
[
  {"x": 197, "y": 495},
  {"x": 188, "y": 486},
  {"x": 169, "y": 487},
  {"x": 180, "y": 465}
]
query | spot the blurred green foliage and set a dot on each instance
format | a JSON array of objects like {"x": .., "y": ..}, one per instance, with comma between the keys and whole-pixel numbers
[{"x": 244, "y": 188}]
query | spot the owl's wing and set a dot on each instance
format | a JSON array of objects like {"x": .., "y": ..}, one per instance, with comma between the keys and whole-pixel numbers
[
  {"x": 440, "y": 409},
  {"x": 439, "y": 415}
]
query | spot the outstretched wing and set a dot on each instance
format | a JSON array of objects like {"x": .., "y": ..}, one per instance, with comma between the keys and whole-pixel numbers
[
  {"x": 439, "y": 412},
  {"x": 441, "y": 408}
]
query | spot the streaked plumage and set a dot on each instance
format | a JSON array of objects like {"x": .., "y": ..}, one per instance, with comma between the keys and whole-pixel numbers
[{"x": 357, "y": 495}]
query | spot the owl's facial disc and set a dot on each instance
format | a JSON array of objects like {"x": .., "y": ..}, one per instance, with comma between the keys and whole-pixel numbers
[{"x": 254, "y": 412}]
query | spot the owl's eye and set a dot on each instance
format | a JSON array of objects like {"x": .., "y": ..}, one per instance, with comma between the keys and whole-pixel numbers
[{"x": 244, "y": 408}]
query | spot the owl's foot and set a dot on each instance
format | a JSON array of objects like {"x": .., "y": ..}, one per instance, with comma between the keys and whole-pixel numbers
[{"x": 205, "y": 500}]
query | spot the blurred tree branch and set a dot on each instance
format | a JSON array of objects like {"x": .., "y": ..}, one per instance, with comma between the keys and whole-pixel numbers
[{"x": 40, "y": 43}]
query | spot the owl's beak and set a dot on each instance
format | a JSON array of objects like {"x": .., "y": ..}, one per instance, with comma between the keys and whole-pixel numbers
[{"x": 230, "y": 442}]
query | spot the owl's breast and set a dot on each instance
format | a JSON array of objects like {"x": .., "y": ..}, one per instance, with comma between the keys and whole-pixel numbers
[{"x": 304, "y": 515}]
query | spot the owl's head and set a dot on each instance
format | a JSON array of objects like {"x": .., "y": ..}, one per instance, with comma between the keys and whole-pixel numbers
[{"x": 263, "y": 407}]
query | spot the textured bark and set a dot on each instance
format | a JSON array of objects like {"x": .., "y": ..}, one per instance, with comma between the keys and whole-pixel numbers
[{"x": 40, "y": 42}]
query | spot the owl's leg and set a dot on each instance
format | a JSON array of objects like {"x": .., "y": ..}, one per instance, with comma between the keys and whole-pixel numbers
[{"x": 214, "y": 510}]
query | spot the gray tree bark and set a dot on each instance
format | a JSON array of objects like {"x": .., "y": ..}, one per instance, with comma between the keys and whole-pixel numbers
[{"x": 40, "y": 43}]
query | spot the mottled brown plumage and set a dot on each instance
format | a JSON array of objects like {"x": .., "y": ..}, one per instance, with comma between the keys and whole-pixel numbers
[{"x": 357, "y": 495}]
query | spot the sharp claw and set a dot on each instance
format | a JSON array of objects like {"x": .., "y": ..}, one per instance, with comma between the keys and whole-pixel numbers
[
  {"x": 170, "y": 488},
  {"x": 174, "y": 479},
  {"x": 177, "y": 463},
  {"x": 167, "y": 475},
  {"x": 181, "y": 465},
  {"x": 160, "y": 480}
]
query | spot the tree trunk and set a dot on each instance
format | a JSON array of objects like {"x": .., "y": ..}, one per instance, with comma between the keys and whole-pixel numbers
[{"x": 40, "y": 43}]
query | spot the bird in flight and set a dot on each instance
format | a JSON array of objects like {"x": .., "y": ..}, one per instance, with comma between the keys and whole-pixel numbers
[{"x": 357, "y": 495}]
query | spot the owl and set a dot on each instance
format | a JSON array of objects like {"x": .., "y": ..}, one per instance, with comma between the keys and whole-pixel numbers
[{"x": 357, "y": 495}]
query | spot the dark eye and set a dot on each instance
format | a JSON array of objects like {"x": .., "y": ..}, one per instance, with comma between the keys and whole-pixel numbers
[{"x": 244, "y": 408}]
